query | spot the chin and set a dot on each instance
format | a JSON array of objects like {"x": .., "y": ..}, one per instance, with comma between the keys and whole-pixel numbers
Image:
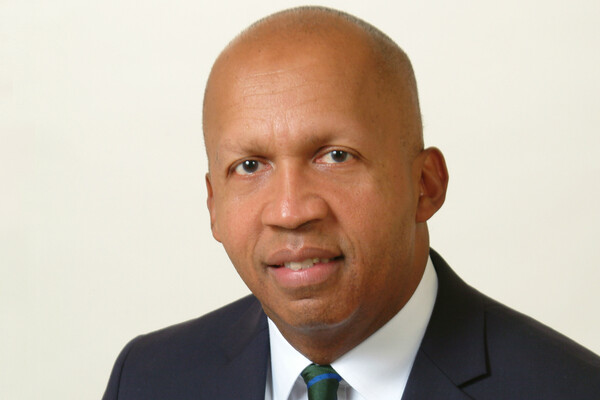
[{"x": 312, "y": 317}]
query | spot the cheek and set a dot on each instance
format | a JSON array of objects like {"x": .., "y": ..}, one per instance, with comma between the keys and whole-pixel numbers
[
  {"x": 236, "y": 222},
  {"x": 379, "y": 221},
  {"x": 373, "y": 207}
]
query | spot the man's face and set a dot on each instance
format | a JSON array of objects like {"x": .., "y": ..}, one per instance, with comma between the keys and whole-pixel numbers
[{"x": 310, "y": 190}]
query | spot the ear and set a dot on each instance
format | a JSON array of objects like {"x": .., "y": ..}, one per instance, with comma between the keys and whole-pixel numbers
[
  {"x": 210, "y": 203},
  {"x": 433, "y": 183}
]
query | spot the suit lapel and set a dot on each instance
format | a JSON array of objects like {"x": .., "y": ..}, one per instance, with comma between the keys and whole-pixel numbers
[
  {"x": 453, "y": 350},
  {"x": 427, "y": 381},
  {"x": 246, "y": 347}
]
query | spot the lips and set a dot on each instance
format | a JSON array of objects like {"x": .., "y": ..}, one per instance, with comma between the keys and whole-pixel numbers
[
  {"x": 305, "y": 255},
  {"x": 302, "y": 268}
]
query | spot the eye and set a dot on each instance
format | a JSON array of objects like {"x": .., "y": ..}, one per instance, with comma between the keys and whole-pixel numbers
[
  {"x": 249, "y": 167},
  {"x": 335, "y": 157}
]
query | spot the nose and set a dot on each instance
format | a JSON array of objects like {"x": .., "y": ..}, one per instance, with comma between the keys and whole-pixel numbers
[{"x": 295, "y": 199}]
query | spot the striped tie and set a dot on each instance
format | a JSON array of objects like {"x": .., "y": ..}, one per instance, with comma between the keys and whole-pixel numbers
[{"x": 321, "y": 381}]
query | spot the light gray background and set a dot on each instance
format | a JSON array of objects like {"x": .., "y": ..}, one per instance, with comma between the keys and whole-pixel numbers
[{"x": 104, "y": 229}]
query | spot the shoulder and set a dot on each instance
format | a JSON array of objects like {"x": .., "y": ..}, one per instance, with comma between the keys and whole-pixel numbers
[
  {"x": 187, "y": 356},
  {"x": 209, "y": 328},
  {"x": 485, "y": 347},
  {"x": 535, "y": 357}
]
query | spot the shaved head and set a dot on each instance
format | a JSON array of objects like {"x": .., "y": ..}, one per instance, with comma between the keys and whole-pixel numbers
[{"x": 299, "y": 29}]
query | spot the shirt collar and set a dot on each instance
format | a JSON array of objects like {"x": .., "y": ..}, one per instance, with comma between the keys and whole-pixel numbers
[
  {"x": 377, "y": 368},
  {"x": 286, "y": 363}
]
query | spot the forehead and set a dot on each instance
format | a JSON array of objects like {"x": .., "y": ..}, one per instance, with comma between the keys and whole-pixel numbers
[
  {"x": 291, "y": 85},
  {"x": 272, "y": 81},
  {"x": 290, "y": 109}
]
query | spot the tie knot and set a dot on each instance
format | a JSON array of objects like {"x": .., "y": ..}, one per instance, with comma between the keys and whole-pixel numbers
[{"x": 321, "y": 381}]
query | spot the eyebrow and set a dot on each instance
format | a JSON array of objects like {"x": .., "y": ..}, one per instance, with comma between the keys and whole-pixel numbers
[{"x": 235, "y": 148}]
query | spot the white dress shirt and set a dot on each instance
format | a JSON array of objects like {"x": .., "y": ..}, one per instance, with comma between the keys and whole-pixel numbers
[{"x": 376, "y": 369}]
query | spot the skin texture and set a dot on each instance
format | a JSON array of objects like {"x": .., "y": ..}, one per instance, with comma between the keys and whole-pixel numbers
[{"x": 313, "y": 136}]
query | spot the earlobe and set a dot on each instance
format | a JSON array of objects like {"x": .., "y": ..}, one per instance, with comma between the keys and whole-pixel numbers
[
  {"x": 433, "y": 184},
  {"x": 211, "y": 207}
]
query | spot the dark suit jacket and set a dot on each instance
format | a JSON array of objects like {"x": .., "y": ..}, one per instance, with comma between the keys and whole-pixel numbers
[{"x": 474, "y": 348}]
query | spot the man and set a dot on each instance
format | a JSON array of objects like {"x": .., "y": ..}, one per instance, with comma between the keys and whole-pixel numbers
[{"x": 319, "y": 188}]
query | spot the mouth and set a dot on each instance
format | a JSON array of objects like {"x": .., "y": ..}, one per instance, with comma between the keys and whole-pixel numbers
[
  {"x": 308, "y": 268},
  {"x": 306, "y": 264}
]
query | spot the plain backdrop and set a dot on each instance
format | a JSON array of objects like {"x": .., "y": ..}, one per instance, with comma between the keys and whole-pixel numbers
[{"x": 103, "y": 224}]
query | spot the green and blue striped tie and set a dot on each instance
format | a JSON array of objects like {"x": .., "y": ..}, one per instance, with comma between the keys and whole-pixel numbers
[{"x": 321, "y": 381}]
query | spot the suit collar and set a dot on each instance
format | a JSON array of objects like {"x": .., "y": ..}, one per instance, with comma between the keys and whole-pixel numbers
[
  {"x": 246, "y": 346},
  {"x": 455, "y": 337},
  {"x": 453, "y": 351},
  {"x": 244, "y": 331},
  {"x": 428, "y": 381}
]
